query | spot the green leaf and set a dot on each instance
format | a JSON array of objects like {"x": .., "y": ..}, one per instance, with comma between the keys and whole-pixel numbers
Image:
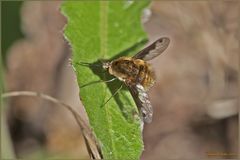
[{"x": 106, "y": 30}]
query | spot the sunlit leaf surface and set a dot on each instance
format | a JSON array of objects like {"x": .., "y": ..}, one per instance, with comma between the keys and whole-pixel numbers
[{"x": 106, "y": 30}]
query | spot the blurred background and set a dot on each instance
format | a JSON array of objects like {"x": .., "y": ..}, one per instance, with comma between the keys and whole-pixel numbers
[{"x": 195, "y": 97}]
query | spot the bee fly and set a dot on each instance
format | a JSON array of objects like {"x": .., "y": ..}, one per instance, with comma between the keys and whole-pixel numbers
[{"x": 138, "y": 75}]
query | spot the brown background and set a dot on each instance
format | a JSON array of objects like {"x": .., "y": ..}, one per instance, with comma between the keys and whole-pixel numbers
[{"x": 194, "y": 99}]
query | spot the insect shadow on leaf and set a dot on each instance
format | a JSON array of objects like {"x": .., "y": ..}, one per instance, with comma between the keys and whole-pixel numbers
[
  {"x": 132, "y": 72},
  {"x": 113, "y": 84}
]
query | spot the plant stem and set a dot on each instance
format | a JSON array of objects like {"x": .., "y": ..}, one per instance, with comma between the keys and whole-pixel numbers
[{"x": 90, "y": 141}]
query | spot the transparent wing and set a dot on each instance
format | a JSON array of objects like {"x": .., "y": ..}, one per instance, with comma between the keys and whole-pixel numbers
[
  {"x": 142, "y": 101},
  {"x": 155, "y": 49}
]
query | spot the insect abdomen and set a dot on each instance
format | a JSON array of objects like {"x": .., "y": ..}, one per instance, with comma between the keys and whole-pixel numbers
[{"x": 146, "y": 76}]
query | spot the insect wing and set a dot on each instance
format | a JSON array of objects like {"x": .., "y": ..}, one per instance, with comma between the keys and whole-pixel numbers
[
  {"x": 155, "y": 49},
  {"x": 142, "y": 101}
]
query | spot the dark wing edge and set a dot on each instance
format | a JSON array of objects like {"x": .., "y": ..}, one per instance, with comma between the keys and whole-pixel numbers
[
  {"x": 142, "y": 101},
  {"x": 153, "y": 50}
]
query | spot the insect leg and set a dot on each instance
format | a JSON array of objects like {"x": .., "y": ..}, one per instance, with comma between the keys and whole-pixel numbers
[
  {"x": 97, "y": 82},
  {"x": 113, "y": 95}
]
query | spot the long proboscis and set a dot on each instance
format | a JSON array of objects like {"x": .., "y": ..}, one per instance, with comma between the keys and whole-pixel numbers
[{"x": 87, "y": 64}]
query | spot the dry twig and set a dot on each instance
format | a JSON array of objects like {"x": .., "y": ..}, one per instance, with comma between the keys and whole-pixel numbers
[{"x": 90, "y": 141}]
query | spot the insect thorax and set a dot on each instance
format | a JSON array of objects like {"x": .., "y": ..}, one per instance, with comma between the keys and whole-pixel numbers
[{"x": 132, "y": 71}]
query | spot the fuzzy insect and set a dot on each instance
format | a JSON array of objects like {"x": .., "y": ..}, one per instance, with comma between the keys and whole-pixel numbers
[{"x": 138, "y": 75}]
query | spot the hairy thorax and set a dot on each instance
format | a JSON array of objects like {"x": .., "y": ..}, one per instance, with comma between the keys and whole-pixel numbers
[{"x": 132, "y": 71}]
